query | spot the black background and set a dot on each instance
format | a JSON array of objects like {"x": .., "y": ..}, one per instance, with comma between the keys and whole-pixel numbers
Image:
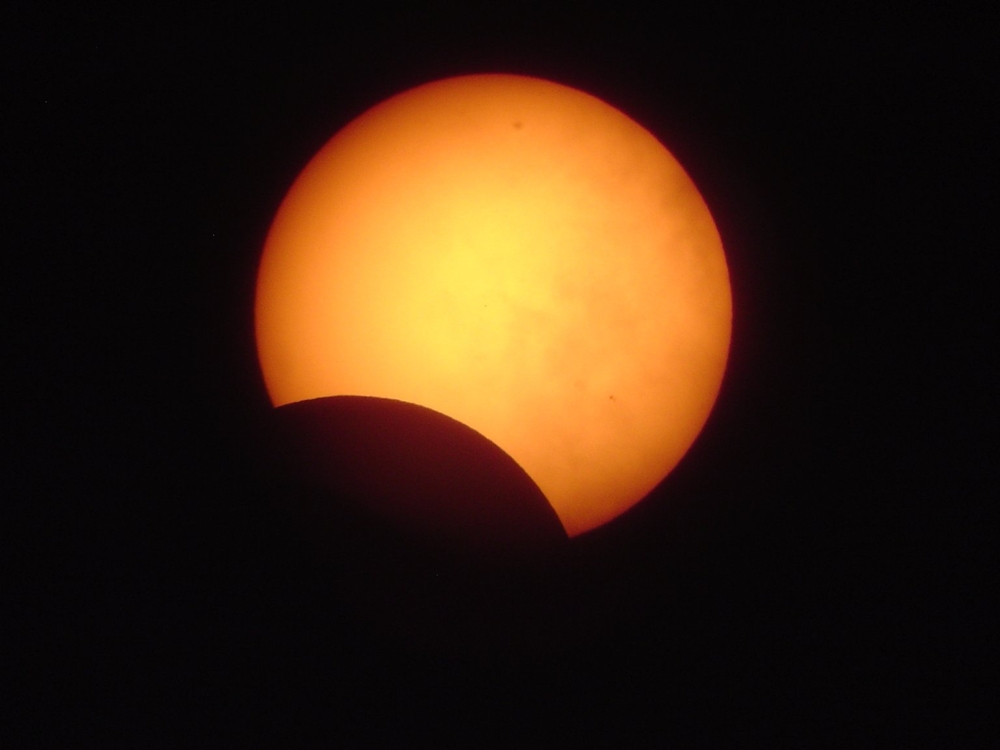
[{"x": 814, "y": 569}]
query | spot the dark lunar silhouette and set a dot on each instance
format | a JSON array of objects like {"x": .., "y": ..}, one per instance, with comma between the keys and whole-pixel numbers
[
  {"x": 429, "y": 475},
  {"x": 428, "y": 533}
]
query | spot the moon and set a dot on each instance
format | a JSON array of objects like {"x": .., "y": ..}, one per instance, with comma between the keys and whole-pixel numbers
[{"x": 520, "y": 257}]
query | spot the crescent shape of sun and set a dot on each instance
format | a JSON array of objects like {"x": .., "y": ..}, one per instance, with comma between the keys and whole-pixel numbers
[{"x": 519, "y": 256}]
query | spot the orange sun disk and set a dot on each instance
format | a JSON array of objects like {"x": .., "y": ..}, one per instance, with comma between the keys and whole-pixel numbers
[{"x": 519, "y": 256}]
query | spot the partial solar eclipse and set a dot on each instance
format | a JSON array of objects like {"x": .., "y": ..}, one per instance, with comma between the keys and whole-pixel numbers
[{"x": 520, "y": 257}]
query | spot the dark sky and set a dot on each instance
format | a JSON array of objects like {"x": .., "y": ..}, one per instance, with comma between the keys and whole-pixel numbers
[{"x": 815, "y": 568}]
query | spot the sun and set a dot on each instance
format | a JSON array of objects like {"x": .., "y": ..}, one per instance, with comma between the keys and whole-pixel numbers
[{"x": 519, "y": 256}]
